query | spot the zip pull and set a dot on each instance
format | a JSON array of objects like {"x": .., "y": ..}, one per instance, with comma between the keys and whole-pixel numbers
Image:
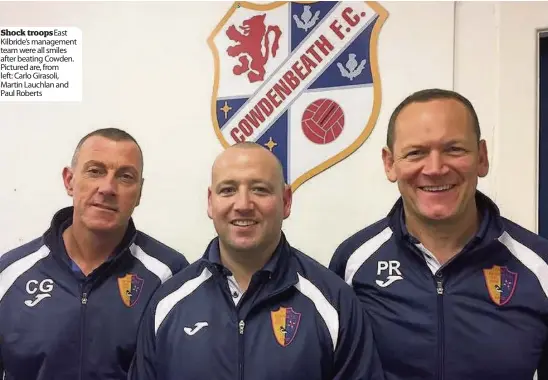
[
  {"x": 242, "y": 326},
  {"x": 84, "y": 298},
  {"x": 439, "y": 287}
]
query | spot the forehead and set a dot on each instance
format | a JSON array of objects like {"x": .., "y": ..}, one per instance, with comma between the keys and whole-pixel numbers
[
  {"x": 245, "y": 164},
  {"x": 110, "y": 152},
  {"x": 438, "y": 118}
]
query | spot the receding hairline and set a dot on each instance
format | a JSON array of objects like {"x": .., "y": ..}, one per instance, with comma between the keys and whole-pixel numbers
[
  {"x": 113, "y": 134},
  {"x": 426, "y": 96}
]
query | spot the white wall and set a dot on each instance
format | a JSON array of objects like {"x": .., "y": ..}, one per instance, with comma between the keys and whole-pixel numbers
[
  {"x": 496, "y": 66},
  {"x": 147, "y": 69}
]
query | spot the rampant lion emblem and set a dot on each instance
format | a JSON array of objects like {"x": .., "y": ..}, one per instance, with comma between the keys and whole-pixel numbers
[{"x": 250, "y": 43}]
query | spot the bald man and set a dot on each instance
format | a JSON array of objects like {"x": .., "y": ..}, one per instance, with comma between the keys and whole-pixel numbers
[{"x": 253, "y": 307}]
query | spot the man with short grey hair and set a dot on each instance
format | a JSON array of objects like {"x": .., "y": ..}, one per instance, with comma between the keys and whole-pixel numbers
[{"x": 72, "y": 299}]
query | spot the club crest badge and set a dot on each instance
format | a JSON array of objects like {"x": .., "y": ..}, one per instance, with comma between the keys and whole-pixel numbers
[
  {"x": 285, "y": 322},
  {"x": 130, "y": 287},
  {"x": 501, "y": 284}
]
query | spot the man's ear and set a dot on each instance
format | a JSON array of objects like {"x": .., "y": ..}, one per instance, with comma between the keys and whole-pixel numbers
[
  {"x": 483, "y": 159},
  {"x": 140, "y": 192},
  {"x": 288, "y": 200},
  {"x": 68, "y": 180},
  {"x": 209, "y": 208},
  {"x": 388, "y": 161}
]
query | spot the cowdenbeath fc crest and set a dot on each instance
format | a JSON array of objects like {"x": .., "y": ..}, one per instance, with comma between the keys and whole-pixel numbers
[{"x": 300, "y": 79}]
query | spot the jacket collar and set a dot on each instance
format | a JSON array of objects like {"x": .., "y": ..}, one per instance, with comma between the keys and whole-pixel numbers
[
  {"x": 280, "y": 269},
  {"x": 491, "y": 226},
  {"x": 53, "y": 237}
]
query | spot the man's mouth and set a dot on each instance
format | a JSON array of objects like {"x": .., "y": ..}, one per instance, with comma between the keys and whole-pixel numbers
[
  {"x": 105, "y": 207},
  {"x": 243, "y": 222},
  {"x": 436, "y": 189}
]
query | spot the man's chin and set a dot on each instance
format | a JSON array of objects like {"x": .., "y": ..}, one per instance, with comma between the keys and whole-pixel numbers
[
  {"x": 243, "y": 245},
  {"x": 439, "y": 215},
  {"x": 102, "y": 226}
]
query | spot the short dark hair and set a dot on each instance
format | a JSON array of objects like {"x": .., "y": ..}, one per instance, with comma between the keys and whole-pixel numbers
[
  {"x": 114, "y": 134},
  {"x": 425, "y": 96}
]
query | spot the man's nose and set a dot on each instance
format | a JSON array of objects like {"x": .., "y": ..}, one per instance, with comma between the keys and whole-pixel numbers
[
  {"x": 107, "y": 185},
  {"x": 243, "y": 201},
  {"x": 434, "y": 164}
]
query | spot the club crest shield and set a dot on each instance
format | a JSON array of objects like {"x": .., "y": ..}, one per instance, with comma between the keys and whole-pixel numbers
[
  {"x": 130, "y": 287},
  {"x": 285, "y": 322},
  {"x": 301, "y": 79},
  {"x": 501, "y": 284}
]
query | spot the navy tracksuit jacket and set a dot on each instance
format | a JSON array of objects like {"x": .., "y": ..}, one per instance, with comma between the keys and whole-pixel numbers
[
  {"x": 297, "y": 320},
  {"x": 481, "y": 316}
]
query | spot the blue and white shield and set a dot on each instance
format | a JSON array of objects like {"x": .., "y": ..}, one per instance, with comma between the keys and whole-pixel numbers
[{"x": 301, "y": 79}]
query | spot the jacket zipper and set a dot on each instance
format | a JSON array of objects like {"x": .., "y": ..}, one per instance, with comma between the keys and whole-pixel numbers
[
  {"x": 83, "y": 302},
  {"x": 241, "y": 323},
  {"x": 241, "y": 327},
  {"x": 441, "y": 337}
]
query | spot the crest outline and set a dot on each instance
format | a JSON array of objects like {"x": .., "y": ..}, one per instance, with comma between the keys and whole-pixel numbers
[{"x": 372, "y": 119}]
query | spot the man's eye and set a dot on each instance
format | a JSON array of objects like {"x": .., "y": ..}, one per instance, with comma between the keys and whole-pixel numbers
[
  {"x": 260, "y": 190},
  {"x": 93, "y": 171},
  {"x": 413, "y": 153},
  {"x": 226, "y": 191},
  {"x": 456, "y": 149},
  {"x": 128, "y": 177}
]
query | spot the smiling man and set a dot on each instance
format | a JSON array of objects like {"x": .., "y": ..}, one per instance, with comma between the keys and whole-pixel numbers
[
  {"x": 454, "y": 290},
  {"x": 254, "y": 307},
  {"x": 71, "y": 300}
]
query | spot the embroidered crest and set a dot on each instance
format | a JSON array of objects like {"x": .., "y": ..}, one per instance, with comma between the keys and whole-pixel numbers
[
  {"x": 501, "y": 284},
  {"x": 130, "y": 287},
  {"x": 285, "y": 322},
  {"x": 301, "y": 79}
]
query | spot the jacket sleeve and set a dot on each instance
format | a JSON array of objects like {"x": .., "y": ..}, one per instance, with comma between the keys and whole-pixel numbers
[
  {"x": 356, "y": 356},
  {"x": 143, "y": 363}
]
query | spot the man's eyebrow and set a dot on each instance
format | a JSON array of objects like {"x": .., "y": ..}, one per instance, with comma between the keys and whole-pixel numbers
[
  {"x": 454, "y": 141},
  {"x": 93, "y": 163},
  {"x": 225, "y": 182},
  {"x": 89, "y": 163},
  {"x": 128, "y": 167},
  {"x": 262, "y": 182}
]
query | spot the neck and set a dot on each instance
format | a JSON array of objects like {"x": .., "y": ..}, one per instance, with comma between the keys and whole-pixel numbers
[
  {"x": 445, "y": 239},
  {"x": 89, "y": 249},
  {"x": 244, "y": 264}
]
